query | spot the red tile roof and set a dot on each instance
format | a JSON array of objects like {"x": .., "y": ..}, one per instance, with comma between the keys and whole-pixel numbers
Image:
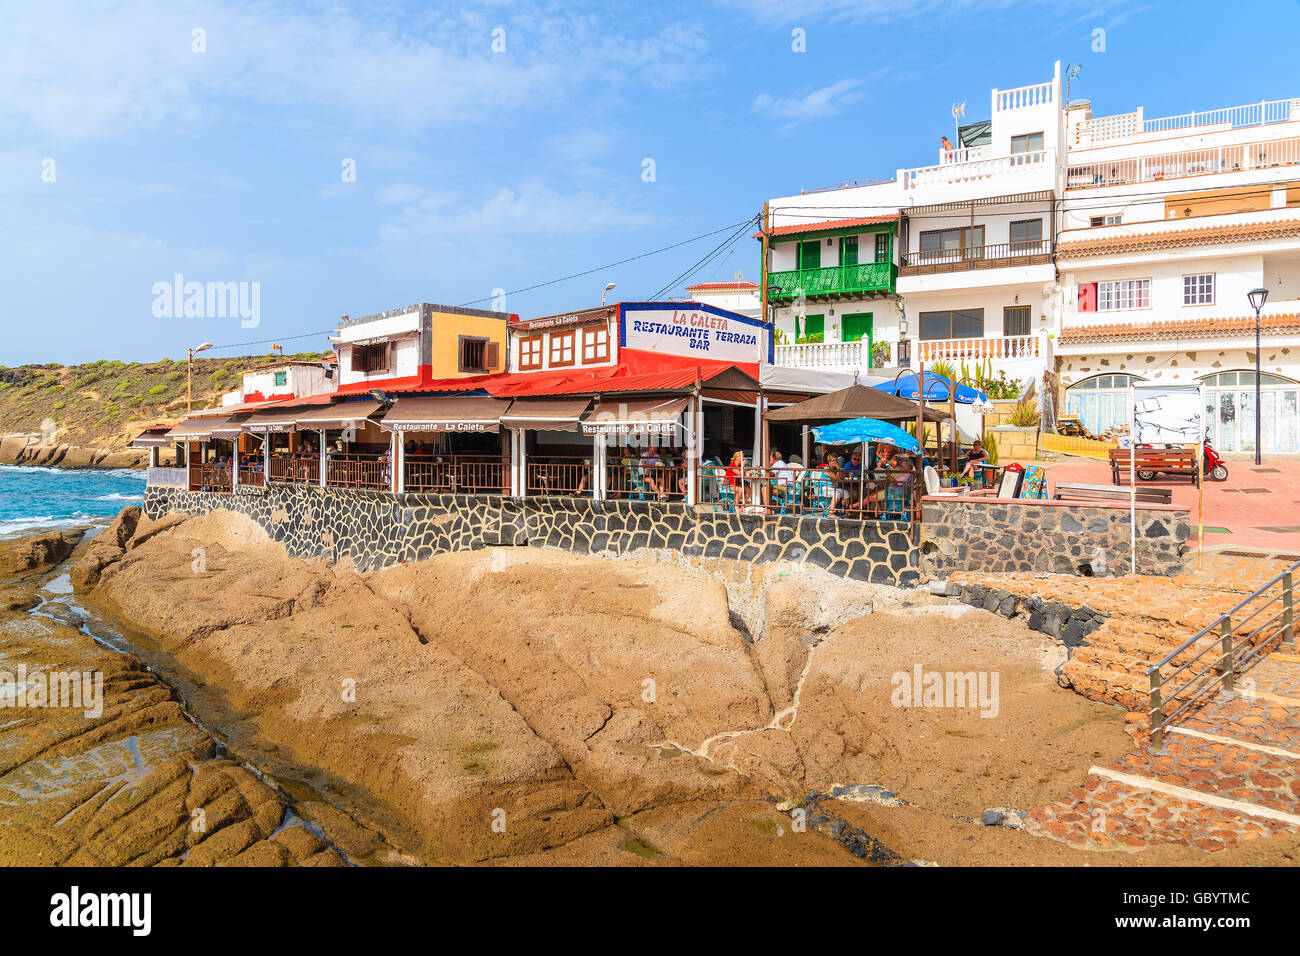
[
  {"x": 734, "y": 286},
  {"x": 1201, "y": 328},
  {"x": 828, "y": 224},
  {"x": 667, "y": 376},
  {"x": 1179, "y": 238}
]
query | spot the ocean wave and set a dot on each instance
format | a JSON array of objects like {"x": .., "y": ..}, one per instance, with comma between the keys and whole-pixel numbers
[
  {"x": 117, "y": 496},
  {"x": 14, "y": 526},
  {"x": 65, "y": 472}
]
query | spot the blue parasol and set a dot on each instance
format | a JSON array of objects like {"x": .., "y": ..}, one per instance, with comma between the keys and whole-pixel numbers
[
  {"x": 857, "y": 430},
  {"x": 936, "y": 389}
]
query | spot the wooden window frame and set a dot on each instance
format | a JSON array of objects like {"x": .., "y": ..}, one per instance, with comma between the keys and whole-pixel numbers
[
  {"x": 279, "y": 379},
  {"x": 1006, "y": 320},
  {"x": 596, "y": 340},
  {"x": 556, "y": 347},
  {"x": 531, "y": 340},
  {"x": 369, "y": 365},
  {"x": 1025, "y": 246},
  {"x": 847, "y": 243},
  {"x": 920, "y": 325},
  {"x": 464, "y": 340}
]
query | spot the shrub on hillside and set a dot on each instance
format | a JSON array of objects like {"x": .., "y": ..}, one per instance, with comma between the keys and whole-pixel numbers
[{"x": 158, "y": 390}]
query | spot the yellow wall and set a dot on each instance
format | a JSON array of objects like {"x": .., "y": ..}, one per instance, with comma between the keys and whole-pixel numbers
[{"x": 447, "y": 329}]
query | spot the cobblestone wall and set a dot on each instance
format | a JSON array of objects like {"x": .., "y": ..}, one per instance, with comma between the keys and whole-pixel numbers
[
  {"x": 972, "y": 535},
  {"x": 376, "y": 529}
]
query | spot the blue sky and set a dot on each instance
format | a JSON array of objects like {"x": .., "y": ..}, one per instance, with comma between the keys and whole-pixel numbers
[{"x": 479, "y": 170}]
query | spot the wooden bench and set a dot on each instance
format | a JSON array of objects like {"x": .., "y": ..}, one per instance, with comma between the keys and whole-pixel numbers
[
  {"x": 1158, "y": 461},
  {"x": 1066, "y": 491}
]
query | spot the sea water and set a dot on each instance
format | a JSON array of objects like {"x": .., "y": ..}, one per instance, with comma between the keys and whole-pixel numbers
[{"x": 32, "y": 497}]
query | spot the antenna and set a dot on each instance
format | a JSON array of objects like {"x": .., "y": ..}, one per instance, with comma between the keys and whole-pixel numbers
[
  {"x": 958, "y": 110},
  {"x": 1071, "y": 71}
]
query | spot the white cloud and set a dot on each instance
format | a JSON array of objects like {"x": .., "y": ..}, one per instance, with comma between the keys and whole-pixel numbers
[
  {"x": 877, "y": 11},
  {"x": 818, "y": 104}
]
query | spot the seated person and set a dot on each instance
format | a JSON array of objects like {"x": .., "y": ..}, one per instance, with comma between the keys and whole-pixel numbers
[
  {"x": 735, "y": 476},
  {"x": 974, "y": 458}
]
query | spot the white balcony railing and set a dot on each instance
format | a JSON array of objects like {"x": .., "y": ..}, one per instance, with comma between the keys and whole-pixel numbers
[
  {"x": 967, "y": 154},
  {"x": 1039, "y": 94},
  {"x": 1190, "y": 162},
  {"x": 1005, "y": 347},
  {"x": 976, "y": 171},
  {"x": 828, "y": 356},
  {"x": 1111, "y": 129}
]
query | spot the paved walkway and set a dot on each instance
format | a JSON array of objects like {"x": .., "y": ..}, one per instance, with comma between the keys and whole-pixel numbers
[
  {"x": 1256, "y": 508},
  {"x": 1228, "y": 773}
]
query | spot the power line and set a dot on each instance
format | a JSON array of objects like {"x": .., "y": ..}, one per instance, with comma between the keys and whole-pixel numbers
[{"x": 731, "y": 239}]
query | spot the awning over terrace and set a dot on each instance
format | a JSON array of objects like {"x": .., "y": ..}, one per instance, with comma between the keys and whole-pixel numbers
[
  {"x": 155, "y": 437},
  {"x": 340, "y": 415},
  {"x": 447, "y": 414},
  {"x": 856, "y": 401},
  {"x": 272, "y": 420},
  {"x": 647, "y": 416},
  {"x": 231, "y": 427},
  {"x": 546, "y": 414},
  {"x": 196, "y": 429}
]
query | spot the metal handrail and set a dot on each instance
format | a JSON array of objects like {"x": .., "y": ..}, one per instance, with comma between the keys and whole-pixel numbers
[{"x": 1232, "y": 657}]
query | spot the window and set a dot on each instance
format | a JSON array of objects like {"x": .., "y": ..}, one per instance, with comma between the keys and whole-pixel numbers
[
  {"x": 281, "y": 378},
  {"x": 1027, "y": 236},
  {"x": 1105, "y": 220},
  {"x": 950, "y": 245},
  {"x": 1028, "y": 143},
  {"x": 882, "y": 247},
  {"x": 1125, "y": 294},
  {"x": 810, "y": 254},
  {"x": 957, "y": 324},
  {"x": 814, "y": 329},
  {"x": 849, "y": 251},
  {"x": 1198, "y": 289},
  {"x": 1015, "y": 320},
  {"x": 561, "y": 349},
  {"x": 1100, "y": 402},
  {"x": 595, "y": 344},
  {"x": 477, "y": 355},
  {"x": 530, "y": 352},
  {"x": 370, "y": 358}
]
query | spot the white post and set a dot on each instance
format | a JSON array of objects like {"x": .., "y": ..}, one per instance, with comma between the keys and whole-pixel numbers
[
  {"x": 153, "y": 457},
  {"x": 521, "y": 442},
  {"x": 266, "y": 459},
  {"x": 321, "y": 478},
  {"x": 234, "y": 463},
  {"x": 691, "y": 457},
  {"x": 392, "y": 461},
  {"x": 598, "y": 467},
  {"x": 400, "y": 463}
]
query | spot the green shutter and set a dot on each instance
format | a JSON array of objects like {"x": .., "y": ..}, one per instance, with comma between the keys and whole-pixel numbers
[
  {"x": 810, "y": 254},
  {"x": 855, "y": 326},
  {"x": 814, "y": 328},
  {"x": 882, "y": 247},
  {"x": 849, "y": 251}
]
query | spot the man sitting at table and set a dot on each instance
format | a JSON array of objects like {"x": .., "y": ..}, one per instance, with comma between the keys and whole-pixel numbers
[{"x": 974, "y": 458}]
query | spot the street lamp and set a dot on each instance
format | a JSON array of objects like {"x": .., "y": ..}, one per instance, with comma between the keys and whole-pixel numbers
[
  {"x": 189, "y": 376},
  {"x": 608, "y": 287},
  {"x": 1257, "y": 298}
]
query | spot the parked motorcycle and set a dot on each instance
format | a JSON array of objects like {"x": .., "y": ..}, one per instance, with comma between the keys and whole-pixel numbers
[{"x": 1215, "y": 468}]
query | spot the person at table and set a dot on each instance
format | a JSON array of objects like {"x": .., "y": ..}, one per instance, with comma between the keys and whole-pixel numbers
[
  {"x": 886, "y": 458},
  {"x": 852, "y": 470},
  {"x": 734, "y": 475},
  {"x": 649, "y": 468},
  {"x": 974, "y": 458}
]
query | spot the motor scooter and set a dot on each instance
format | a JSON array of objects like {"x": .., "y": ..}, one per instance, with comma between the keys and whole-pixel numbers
[{"x": 1215, "y": 468}]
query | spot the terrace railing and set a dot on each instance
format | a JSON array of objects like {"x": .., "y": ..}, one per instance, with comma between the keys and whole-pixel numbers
[
  {"x": 251, "y": 477},
  {"x": 989, "y": 256},
  {"x": 645, "y": 481},
  {"x": 457, "y": 474},
  {"x": 210, "y": 476},
  {"x": 1212, "y": 657},
  {"x": 1179, "y": 165},
  {"x": 834, "y": 280},
  {"x": 1003, "y": 347},
  {"x": 1112, "y": 129},
  {"x": 989, "y": 171},
  {"x": 357, "y": 471},
  {"x": 825, "y": 355},
  {"x": 559, "y": 476},
  {"x": 296, "y": 469}
]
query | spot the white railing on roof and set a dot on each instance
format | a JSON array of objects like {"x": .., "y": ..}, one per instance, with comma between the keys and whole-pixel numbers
[
  {"x": 1106, "y": 129},
  {"x": 1022, "y": 96},
  {"x": 975, "y": 171},
  {"x": 828, "y": 356},
  {"x": 967, "y": 154},
  {"x": 1191, "y": 162}
]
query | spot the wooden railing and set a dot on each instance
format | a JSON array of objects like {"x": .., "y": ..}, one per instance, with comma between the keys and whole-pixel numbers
[
  {"x": 989, "y": 256},
  {"x": 251, "y": 477},
  {"x": 1235, "y": 640},
  {"x": 1003, "y": 347},
  {"x": 558, "y": 476},
  {"x": 210, "y": 476},
  {"x": 357, "y": 471},
  {"x": 297, "y": 469},
  {"x": 881, "y": 494},
  {"x": 833, "y": 280},
  {"x": 1191, "y": 162},
  {"x": 645, "y": 480},
  {"x": 457, "y": 474}
]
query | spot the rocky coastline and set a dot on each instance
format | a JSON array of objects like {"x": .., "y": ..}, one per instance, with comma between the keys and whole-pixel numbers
[{"x": 23, "y": 450}]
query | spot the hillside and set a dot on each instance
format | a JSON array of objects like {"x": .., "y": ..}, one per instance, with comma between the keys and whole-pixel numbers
[{"x": 104, "y": 404}]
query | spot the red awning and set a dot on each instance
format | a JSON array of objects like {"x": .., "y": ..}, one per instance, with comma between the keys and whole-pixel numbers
[
  {"x": 646, "y": 416},
  {"x": 452, "y": 413},
  {"x": 546, "y": 414}
]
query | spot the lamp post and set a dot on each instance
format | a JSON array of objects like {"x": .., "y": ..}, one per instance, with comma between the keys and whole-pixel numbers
[
  {"x": 1257, "y": 298},
  {"x": 608, "y": 286},
  {"x": 189, "y": 376}
]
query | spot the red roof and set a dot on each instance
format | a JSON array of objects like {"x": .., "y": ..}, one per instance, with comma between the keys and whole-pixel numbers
[
  {"x": 1201, "y": 328},
  {"x": 828, "y": 224},
  {"x": 734, "y": 286}
]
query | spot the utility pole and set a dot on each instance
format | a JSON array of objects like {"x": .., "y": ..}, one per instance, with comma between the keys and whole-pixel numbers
[{"x": 763, "y": 270}]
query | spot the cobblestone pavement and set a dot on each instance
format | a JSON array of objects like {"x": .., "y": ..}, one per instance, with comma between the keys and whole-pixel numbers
[{"x": 1249, "y": 774}]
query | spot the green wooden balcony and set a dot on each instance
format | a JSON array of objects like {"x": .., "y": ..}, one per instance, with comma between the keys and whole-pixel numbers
[{"x": 834, "y": 280}]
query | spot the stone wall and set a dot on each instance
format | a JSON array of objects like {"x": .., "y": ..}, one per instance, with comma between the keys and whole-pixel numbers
[
  {"x": 992, "y": 534},
  {"x": 377, "y": 529}
]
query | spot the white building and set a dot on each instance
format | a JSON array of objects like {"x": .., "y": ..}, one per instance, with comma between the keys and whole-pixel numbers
[
  {"x": 1166, "y": 225},
  {"x": 284, "y": 380}
]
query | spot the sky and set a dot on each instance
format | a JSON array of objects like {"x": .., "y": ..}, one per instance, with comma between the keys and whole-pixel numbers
[{"x": 331, "y": 158}]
